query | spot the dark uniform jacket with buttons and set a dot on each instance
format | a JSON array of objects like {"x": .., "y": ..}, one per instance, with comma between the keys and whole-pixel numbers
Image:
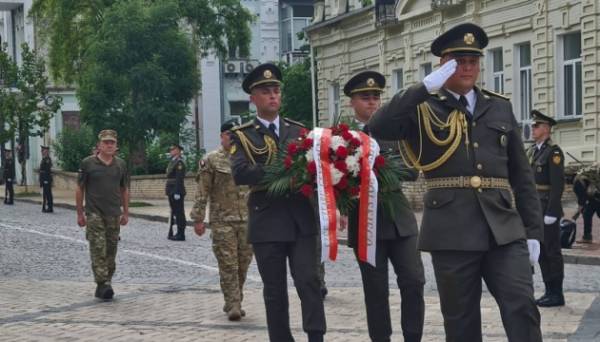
[
  {"x": 464, "y": 218},
  {"x": 175, "y": 178},
  {"x": 45, "y": 170},
  {"x": 270, "y": 219},
  {"x": 548, "y": 164},
  {"x": 9, "y": 169},
  {"x": 402, "y": 224}
]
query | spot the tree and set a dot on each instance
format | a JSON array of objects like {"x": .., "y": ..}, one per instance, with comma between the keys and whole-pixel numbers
[
  {"x": 140, "y": 74},
  {"x": 296, "y": 103},
  {"x": 26, "y": 105}
]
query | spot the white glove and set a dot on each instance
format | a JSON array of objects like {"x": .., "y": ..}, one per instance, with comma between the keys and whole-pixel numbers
[
  {"x": 533, "y": 246},
  {"x": 434, "y": 81},
  {"x": 176, "y": 197},
  {"x": 549, "y": 220},
  {"x": 9, "y": 179}
]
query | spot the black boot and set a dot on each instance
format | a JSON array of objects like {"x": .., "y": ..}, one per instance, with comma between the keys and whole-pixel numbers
[
  {"x": 556, "y": 296},
  {"x": 547, "y": 285},
  {"x": 180, "y": 236}
]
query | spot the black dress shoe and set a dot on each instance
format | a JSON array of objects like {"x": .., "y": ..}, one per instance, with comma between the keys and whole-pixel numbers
[{"x": 551, "y": 300}]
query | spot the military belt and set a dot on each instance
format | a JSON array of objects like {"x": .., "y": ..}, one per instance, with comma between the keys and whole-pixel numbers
[
  {"x": 542, "y": 187},
  {"x": 475, "y": 182},
  {"x": 258, "y": 188}
]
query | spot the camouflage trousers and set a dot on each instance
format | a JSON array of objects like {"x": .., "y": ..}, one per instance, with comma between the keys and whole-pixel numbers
[
  {"x": 102, "y": 232},
  {"x": 234, "y": 254}
]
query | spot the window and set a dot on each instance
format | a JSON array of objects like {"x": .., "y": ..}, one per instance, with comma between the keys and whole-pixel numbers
[
  {"x": 334, "y": 102},
  {"x": 397, "y": 80},
  {"x": 424, "y": 70},
  {"x": 238, "y": 107},
  {"x": 497, "y": 70},
  {"x": 524, "y": 86},
  {"x": 293, "y": 21},
  {"x": 571, "y": 75}
]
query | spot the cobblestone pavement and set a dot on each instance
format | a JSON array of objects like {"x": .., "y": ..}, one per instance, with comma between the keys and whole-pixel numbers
[{"x": 168, "y": 291}]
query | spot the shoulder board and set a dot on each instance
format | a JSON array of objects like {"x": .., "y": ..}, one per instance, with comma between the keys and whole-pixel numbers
[
  {"x": 491, "y": 93},
  {"x": 293, "y": 122},
  {"x": 242, "y": 126}
]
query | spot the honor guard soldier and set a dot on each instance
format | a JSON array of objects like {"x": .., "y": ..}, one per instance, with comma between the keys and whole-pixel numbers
[
  {"x": 175, "y": 190},
  {"x": 46, "y": 180},
  {"x": 104, "y": 183},
  {"x": 548, "y": 166},
  {"x": 281, "y": 229},
  {"x": 228, "y": 218},
  {"x": 9, "y": 177},
  {"x": 396, "y": 235},
  {"x": 467, "y": 143}
]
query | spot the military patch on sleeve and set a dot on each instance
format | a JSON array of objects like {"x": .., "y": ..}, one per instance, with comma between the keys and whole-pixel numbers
[
  {"x": 556, "y": 159},
  {"x": 232, "y": 150},
  {"x": 202, "y": 164}
]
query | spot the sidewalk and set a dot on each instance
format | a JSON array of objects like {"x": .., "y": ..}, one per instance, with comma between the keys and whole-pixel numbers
[{"x": 158, "y": 210}]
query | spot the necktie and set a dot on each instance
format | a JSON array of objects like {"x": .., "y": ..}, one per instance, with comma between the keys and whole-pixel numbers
[
  {"x": 463, "y": 101},
  {"x": 273, "y": 129}
]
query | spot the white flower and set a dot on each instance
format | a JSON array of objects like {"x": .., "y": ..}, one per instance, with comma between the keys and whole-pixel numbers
[
  {"x": 337, "y": 141},
  {"x": 309, "y": 155},
  {"x": 353, "y": 165},
  {"x": 336, "y": 175},
  {"x": 357, "y": 152},
  {"x": 310, "y": 135},
  {"x": 355, "y": 134}
]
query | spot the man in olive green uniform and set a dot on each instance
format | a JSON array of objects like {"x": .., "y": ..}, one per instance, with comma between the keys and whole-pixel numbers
[
  {"x": 396, "y": 236},
  {"x": 9, "y": 177},
  {"x": 175, "y": 191},
  {"x": 548, "y": 166},
  {"x": 228, "y": 216},
  {"x": 46, "y": 180},
  {"x": 103, "y": 181},
  {"x": 281, "y": 229},
  {"x": 467, "y": 142}
]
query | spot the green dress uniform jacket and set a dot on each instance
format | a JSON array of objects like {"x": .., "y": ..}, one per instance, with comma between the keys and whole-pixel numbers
[
  {"x": 45, "y": 170},
  {"x": 175, "y": 178},
  {"x": 548, "y": 166},
  {"x": 462, "y": 218}
]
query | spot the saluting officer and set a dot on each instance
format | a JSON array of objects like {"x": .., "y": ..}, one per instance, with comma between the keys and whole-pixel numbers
[
  {"x": 281, "y": 229},
  {"x": 467, "y": 142},
  {"x": 396, "y": 236},
  {"x": 548, "y": 166},
  {"x": 175, "y": 190},
  {"x": 9, "y": 177},
  {"x": 46, "y": 180}
]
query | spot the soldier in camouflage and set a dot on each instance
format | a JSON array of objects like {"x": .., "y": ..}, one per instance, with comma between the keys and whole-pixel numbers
[
  {"x": 228, "y": 215},
  {"x": 103, "y": 180}
]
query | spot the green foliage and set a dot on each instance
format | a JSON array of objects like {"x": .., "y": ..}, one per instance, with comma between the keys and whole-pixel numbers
[
  {"x": 296, "y": 103},
  {"x": 72, "y": 145},
  {"x": 366, "y": 3}
]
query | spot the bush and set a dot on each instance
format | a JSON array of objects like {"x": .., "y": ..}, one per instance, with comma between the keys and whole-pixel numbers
[{"x": 72, "y": 146}]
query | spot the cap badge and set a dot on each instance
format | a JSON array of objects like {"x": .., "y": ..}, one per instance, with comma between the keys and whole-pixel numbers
[
  {"x": 267, "y": 74},
  {"x": 370, "y": 82},
  {"x": 469, "y": 39}
]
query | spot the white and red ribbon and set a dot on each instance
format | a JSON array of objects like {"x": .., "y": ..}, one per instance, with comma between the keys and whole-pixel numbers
[{"x": 367, "y": 205}]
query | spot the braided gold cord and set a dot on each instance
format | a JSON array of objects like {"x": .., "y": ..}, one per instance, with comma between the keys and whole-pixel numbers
[{"x": 270, "y": 147}]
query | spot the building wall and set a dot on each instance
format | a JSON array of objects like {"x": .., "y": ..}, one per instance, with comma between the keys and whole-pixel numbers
[{"x": 348, "y": 43}]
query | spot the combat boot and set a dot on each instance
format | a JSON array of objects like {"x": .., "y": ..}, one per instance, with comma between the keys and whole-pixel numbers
[{"x": 235, "y": 313}]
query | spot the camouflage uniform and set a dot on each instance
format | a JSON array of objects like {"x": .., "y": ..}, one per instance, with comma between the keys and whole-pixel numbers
[
  {"x": 103, "y": 235},
  {"x": 228, "y": 222}
]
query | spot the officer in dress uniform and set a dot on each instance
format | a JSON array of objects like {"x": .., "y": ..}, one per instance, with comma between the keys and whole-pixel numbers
[
  {"x": 9, "y": 177},
  {"x": 548, "y": 166},
  {"x": 175, "y": 190},
  {"x": 46, "y": 180},
  {"x": 281, "y": 229},
  {"x": 396, "y": 235},
  {"x": 467, "y": 143}
]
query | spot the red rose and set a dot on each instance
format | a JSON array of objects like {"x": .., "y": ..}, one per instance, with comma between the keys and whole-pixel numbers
[
  {"x": 355, "y": 142},
  {"x": 312, "y": 167},
  {"x": 341, "y": 165},
  {"x": 306, "y": 190},
  {"x": 343, "y": 127},
  {"x": 347, "y": 135},
  {"x": 307, "y": 143},
  {"x": 341, "y": 152},
  {"x": 287, "y": 162},
  {"x": 354, "y": 191},
  {"x": 292, "y": 149},
  {"x": 343, "y": 183},
  {"x": 303, "y": 132},
  {"x": 379, "y": 161}
]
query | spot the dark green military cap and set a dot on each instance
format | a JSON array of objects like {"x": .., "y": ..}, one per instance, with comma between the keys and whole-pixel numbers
[
  {"x": 263, "y": 75},
  {"x": 538, "y": 117},
  {"x": 228, "y": 125},
  {"x": 463, "y": 39},
  {"x": 44, "y": 147},
  {"x": 363, "y": 82}
]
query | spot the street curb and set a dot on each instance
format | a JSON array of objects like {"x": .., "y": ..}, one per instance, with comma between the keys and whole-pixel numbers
[{"x": 568, "y": 259}]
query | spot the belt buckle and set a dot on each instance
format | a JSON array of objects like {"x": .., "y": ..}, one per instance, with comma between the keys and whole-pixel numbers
[{"x": 475, "y": 182}]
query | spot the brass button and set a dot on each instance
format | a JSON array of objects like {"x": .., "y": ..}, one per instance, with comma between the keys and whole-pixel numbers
[
  {"x": 474, "y": 123},
  {"x": 480, "y": 190},
  {"x": 256, "y": 208},
  {"x": 479, "y": 166},
  {"x": 475, "y": 181},
  {"x": 434, "y": 202},
  {"x": 476, "y": 145}
]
